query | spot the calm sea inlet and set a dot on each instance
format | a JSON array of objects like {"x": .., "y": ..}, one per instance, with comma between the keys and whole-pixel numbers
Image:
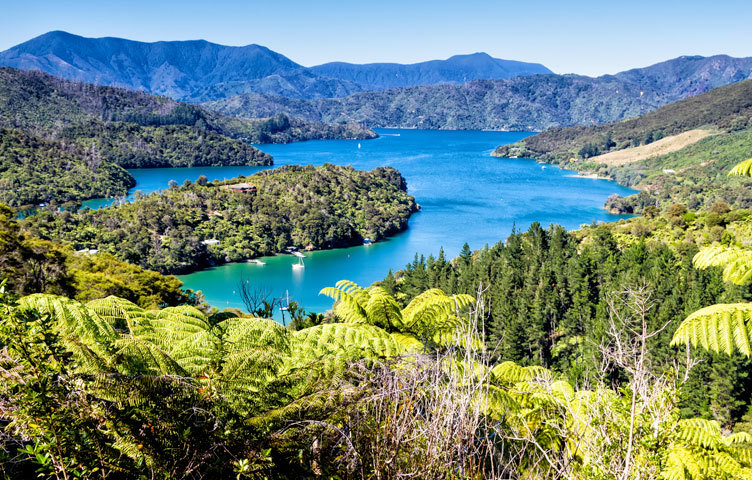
[{"x": 465, "y": 195}]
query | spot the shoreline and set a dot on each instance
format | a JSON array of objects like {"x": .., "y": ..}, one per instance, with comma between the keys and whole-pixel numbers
[{"x": 591, "y": 176}]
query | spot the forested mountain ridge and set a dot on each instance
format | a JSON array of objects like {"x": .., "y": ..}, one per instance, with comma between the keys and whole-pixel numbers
[
  {"x": 455, "y": 69},
  {"x": 198, "y": 70},
  {"x": 206, "y": 223},
  {"x": 43, "y": 103},
  {"x": 529, "y": 103},
  {"x": 678, "y": 153}
]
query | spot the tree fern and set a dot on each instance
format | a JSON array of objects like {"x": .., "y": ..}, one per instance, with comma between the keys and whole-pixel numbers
[
  {"x": 719, "y": 328},
  {"x": 82, "y": 331},
  {"x": 700, "y": 452},
  {"x": 123, "y": 315},
  {"x": 736, "y": 262},
  {"x": 431, "y": 317},
  {"x": 743, "y": 169},
  {"x": 72, "y": 318}
]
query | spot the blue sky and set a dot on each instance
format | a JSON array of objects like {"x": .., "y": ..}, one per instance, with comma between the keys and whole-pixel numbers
[{"x": 587, "y": 37}]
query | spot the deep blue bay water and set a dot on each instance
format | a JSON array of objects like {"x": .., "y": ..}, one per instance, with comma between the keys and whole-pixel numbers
[{"x": 465, "y": 194}]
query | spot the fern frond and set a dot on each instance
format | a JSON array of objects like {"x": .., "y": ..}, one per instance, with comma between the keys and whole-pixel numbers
[
  {"x": 510, "y": 373},
  {"x": 682, "y": 464},
  {"x": 743, "y": 169},
  {"x": 408, "y": 343},
  {"x": 122, "y": 315},
  {"x": 736, "y": 262},
  {"x": 719, "y": 328},
  {"x": 85, "y": 333},
  {"x": 348, "y": 306},
  {"x": 382, "y": 309},
  {"x": 72, "y": 316},
  {"x": 144, "y": 357},
  {"x": 700, "y": 432},
  {"x": 739, "y": 438}
]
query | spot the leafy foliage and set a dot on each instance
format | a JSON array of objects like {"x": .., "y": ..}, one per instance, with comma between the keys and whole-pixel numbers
[
  {"x": 546, "y": 299},
  {"x": 30, "y": 265},
  {"x": 36, "y": 171},
  {"x": 431, "y": 317},
  {"x": 71, "y": 138}
]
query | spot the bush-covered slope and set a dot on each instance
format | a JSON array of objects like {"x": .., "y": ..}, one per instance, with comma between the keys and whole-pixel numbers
[
  {"x": 34, "y": 170},
  {"x": 522, "y": 103},
  {"x": 306, "y": 207},
  {"x": 84, "y": 132},
  {"x": 31, "y": 265},
  {"x": 45, "y": 104},
  {"x": 693, "y": 174}
]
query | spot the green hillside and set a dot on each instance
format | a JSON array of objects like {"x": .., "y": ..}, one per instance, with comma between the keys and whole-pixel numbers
[
  {"x": 306, "y": 207},
  {"x": 680, "y": 153},
  {"x": 68, "y": 140},
  {"x": 727, "y": 108},
  {"x": 34, "y": 170}
]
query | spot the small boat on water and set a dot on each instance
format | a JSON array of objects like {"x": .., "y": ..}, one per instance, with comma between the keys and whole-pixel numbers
[
  {"x": 300, "y": 263},
  {"x": 358, "y": 145},
  {"x": 256, "y": 261},
  {"x": 367, "y": 242}
]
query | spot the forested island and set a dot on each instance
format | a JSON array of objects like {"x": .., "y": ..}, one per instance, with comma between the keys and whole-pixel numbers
[{"x": 208, "y": 223}]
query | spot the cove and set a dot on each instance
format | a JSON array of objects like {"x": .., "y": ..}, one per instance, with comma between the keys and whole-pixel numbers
[{"x": 465, "y": 194}]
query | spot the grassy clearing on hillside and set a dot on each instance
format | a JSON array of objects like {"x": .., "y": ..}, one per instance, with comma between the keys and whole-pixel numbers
[
  {"x": 663, "y": 146},
  {"x": 695, "y": 176}
]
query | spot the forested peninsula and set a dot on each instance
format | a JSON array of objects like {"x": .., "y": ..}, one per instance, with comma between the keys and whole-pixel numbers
[{"x": 208, "y": 223}]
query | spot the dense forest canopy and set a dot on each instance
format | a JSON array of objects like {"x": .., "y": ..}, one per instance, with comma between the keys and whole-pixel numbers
[{"x": 31, "y": 265}]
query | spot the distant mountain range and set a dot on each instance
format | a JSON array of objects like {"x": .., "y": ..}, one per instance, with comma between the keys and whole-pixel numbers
[
  {"x": 456, "y": 69},
  {"x": 534, "y": 102},
  {"x": 463, "y": 92},
  {"x": 198, "y": 70}
]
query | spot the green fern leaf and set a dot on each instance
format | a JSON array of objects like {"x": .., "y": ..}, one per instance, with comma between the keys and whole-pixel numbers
[
  {"x": 743, "y": 169},
  {"x": 719, "y": 328}
]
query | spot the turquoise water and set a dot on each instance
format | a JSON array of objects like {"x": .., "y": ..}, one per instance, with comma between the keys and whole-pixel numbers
[{"x": 465, "y": 194}]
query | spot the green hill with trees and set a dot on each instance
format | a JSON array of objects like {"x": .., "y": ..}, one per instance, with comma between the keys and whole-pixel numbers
[{"x": 206, "y": 223}]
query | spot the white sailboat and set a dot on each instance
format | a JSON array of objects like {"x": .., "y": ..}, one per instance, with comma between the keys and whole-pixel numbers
[{"x": 300, "y": 263}]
